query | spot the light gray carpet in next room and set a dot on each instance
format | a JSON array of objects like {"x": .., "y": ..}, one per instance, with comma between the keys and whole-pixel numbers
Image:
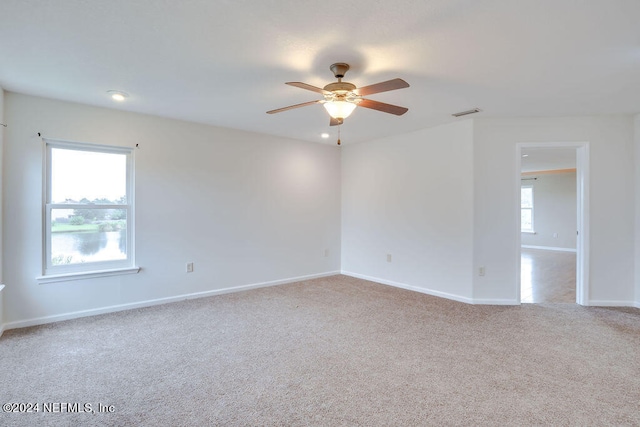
[{"x": 330, "y": 352}]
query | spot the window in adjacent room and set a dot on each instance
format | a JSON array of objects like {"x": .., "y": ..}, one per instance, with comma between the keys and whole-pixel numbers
[
  {"x": 88, "y": 209},
  {"x": 526, "y": 209}
]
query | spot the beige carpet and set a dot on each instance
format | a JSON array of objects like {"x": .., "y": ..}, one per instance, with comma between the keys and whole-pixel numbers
[{"x": 330, "y": 352}]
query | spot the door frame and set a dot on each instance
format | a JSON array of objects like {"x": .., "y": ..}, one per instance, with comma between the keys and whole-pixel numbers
[{"x": 582, "y": 209}]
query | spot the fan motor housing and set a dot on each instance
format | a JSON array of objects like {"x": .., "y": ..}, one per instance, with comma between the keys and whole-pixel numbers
[{"x": 340, "y": 86}]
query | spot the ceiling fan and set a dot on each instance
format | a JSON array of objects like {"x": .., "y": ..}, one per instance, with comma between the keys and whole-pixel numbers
[{"x": 341, "y": 98}]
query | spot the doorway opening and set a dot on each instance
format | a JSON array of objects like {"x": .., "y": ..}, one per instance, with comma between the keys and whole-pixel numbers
[{"x": 552, "y": 234}]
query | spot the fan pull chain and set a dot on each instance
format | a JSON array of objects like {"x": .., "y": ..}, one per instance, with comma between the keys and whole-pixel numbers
[{"x": 339, "y": 135}]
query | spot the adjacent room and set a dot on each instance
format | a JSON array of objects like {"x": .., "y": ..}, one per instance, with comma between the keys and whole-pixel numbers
[
  {"x": 550, "y": 210},
  {"x": 336, "y": 213}
]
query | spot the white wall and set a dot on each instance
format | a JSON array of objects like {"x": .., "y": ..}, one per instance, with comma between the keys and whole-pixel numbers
[
  {"x": 611, "y": 207},
  {"x": 554, "y": 210},
  {"x": 411, "y": 196},
  {"x": 249, "y": 208},
  {"x": 245, "y": 208}
]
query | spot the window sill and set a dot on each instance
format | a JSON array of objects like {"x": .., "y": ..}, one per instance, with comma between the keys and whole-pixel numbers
[
  {"x": 86, "y": 275},
  {"x": 528, "y": 232}
]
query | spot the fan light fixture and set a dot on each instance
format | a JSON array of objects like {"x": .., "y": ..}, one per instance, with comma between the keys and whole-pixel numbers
[{"x": 339, "y": 109}]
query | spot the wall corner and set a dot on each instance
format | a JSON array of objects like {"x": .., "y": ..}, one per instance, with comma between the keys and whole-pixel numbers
[
  {"x": 2, "y": 131},
  {"x": 636, "y": 197}
]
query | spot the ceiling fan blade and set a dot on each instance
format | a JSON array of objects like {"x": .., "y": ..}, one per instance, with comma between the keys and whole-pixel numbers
[
  {"x": 307, "y": 87},
  {"x": 381, "y": 106},
  {"x": 382, "y": 87},
  {"x": 335, "y": 122},
  {"x": 291, "y": 107}
]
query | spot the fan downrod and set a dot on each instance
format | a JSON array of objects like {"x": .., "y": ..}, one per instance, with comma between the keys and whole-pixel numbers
[{"x": 339, "y": 69}]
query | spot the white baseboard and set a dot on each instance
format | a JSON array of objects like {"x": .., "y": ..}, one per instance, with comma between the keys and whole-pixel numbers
[
  {"x": 549, "y": 248},
  {"x": 610, "y": 303},
  {"x": 432, "y": 292},
  {"x": 159, "y": 301},
  {"x": 496, "y": 302},
  {"x": 410, "y": 287}
]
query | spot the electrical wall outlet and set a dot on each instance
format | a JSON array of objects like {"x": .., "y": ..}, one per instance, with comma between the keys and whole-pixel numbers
[
  {"x": 388, "y": 257},
  {"x": 189, "y": 267},
  {"x": 481, "y": 271},
  {"x": 326, "y": 253}
]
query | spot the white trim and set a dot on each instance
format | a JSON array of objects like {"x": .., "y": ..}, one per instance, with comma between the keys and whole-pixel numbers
[
  {"x": 611, "y": 303},
  {"x": 582, "y": 240},
  {"x": 636, "y": 304},
  {"x": 65, "y": 277},
  {"x": 431, "y": 292},
  {"x": 549, "y": 248},
  {"x": 496, "y": 302},
  {"x": 88, "y": 146},
  {"x": 2, "y": 325},
  {"x": 410, "y": 287},
  {"x": 518, "y": 216},
  {"x": 158, "y": 301}
]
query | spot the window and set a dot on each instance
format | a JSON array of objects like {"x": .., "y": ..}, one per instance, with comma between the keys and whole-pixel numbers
[
  {"x": 526, "y": 209},
  {"x": 88, "y": 210}
]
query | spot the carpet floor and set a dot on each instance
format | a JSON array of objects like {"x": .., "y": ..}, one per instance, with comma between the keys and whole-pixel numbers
[{"x": 328, "y": 352}]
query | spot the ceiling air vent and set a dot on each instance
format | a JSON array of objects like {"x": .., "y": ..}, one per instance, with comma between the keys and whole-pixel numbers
[{"x": 464, "y": 113}]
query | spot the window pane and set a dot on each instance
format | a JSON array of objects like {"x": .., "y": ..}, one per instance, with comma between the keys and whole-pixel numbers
[
  {"x": 526, "y": 220},
  {"x": 526, "y": 197},
  {"x": 85, "y": 177},
  {"x": 88, "y": 235}
]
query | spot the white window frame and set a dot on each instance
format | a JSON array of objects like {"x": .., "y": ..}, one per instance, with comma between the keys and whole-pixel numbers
[
  {"x": 532, "y": 230},
  {"x": 55, "y": 273}
]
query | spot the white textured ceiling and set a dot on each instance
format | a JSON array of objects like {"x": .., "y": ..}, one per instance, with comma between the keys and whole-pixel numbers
[{"x": 225, "y": 62}]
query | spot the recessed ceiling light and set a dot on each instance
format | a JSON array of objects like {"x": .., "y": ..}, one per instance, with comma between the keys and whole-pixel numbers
[
  {"x": 324, "y": 135},
  {"x": 118, "y": 95}
]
